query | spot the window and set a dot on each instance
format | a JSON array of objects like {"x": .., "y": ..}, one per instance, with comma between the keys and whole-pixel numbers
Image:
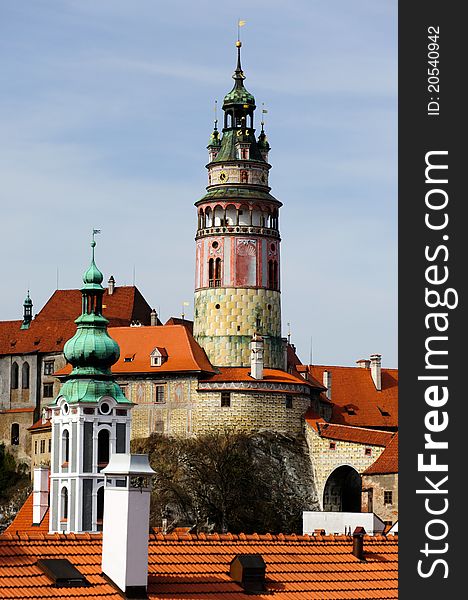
[
  {"x": 103, "y": 448},
  {"x": 218, "y": 272},
  {"x": 14, "y": 376},
  {"x": 42, "y": 446},
  {"x": 100, "y": 507},
  {"x": 48, "y": 390},
  {"x": 272, "y": 274},
  {"x": 64, "y": 502},
  {"x": 160, "y": 394},
  {"x": 35, "y": 447},
  {"x": 211, "y": 272},
  {"x": 65, "y": 447},
  {"x": 388, "y": 497},
  {"x": 48, "y": 367},
  {"x": 25, "y": 376},
  {"x": 288, "y": 402},
  {"x": 50, "y": 445},
  {"x": 368, "y": 452},
  {"x": 225, "y": 398},
  {"x": 332, "y": 445},
  {"x": 15, "y": 434},
  {"x": 244, "y": 177}
]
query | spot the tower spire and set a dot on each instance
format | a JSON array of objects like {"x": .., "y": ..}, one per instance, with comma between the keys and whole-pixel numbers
[{"x": 27, "y": 312}]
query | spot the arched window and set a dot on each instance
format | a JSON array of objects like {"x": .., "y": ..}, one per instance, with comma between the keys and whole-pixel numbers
[
  {"x": 275, "y": 275},
  {"x": 218, "y": 272},
  {"x": 15, "y": 434},
  {"x": 244, "y": 176},
  {"x": 270, "y": 274},
  {"x": 65, "y": 446},
  {"x": 64, "y": 504},
  {"x": 25, "y": 376},
  {"x": 211, "y": 272},
  {"x": 100, "y": 508},
  {"x": 14, "y": 376},
  {"x": 103, "y": 448}
]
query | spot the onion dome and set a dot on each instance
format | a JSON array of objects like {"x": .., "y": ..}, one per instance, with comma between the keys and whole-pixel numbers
[
  {"x": 262, "y": 142},
  {"x": 27, "y": 301},
  {"x": 91, "y": 351},
  {"x": 92, "y": 277},
  {"x": 215, "y": 141},
  {"x": 27, "y": 312}
]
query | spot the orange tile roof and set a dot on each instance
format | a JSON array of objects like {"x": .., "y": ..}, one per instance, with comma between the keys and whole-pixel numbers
[
  {"x": 39, "y": 425},
  {"x": 387, "y": 462},
  {"x": 359, "y": 435},
  {"x": 137, "y": 343},
  {"x": 353, "y": 387},
  {"x": 22, "y": 523},
  {"x": 233, "y": 374},
  {"x": 187, "y": 566},
  {"x": 54, "y": 324},
  {"x": 17, "y": 410}
]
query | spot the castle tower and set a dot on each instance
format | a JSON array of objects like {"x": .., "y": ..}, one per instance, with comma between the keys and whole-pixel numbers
[
  {"x": 237, "y": 281},
  {"x": 90, "y": 418}
]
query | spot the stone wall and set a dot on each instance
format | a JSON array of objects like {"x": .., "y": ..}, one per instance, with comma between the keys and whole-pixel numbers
[
  {"x": 22, "y": 450},
  {"x": 325, "y": 459},
  {"x": 226, "y": 319},
  {"x": 374, "y": 488}
]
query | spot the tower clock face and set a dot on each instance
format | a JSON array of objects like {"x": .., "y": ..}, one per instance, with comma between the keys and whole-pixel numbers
[{"x": 223, "y": 176}]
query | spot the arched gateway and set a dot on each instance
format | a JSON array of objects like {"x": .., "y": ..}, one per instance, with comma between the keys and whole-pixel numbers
[{"x": 343, "y": 490}]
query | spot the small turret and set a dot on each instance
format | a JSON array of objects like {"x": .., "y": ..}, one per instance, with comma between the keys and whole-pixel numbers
[
  {"x": 256, "y": 356},
  {"x": 27, "y": 312}
]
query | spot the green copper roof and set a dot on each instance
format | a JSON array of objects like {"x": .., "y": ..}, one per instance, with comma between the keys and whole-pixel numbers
[
  {"x": 27, "y": 300},
  {"x": 229, "y": 140},
  {"x": 214, "y": 142},
  {"x": 92, "y": 277},
  {"x": 91, "y": 390},
  {"x": 237, "y": 193},
  {"x": 91, "y": 351},
  {"x": 238, "y": 94}
]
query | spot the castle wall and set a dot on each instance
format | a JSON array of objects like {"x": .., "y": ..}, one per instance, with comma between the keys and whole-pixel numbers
[{"x": 325, "y": 460}]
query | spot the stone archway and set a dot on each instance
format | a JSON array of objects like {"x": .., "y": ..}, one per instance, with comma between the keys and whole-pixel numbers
[{"x": 342, "y": 492}]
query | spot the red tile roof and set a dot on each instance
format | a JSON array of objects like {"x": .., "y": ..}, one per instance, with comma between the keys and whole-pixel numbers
[
  {"x": 137, "y": 343},
  {"x": 353, "y": 388},
  {"x": 22, "y": 523},
  {"x": 345, "y": 433},
  {"x": 359, "y": 435},
  {"x": 54, "y": 324},
  {"x": 39, "y": 425},
  {"x": 387, "y": 462},
  {"x": 233, "y": 374},
  {"x": 186, "y": 566},
  {"x": 17, "y": 410}
]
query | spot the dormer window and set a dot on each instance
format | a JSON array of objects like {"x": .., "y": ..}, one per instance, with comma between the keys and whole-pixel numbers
[
  {"x": 158, "y": 357},
  {"x": 129, "y": 357}
]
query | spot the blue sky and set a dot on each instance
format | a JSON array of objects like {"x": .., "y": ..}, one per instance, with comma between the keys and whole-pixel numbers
[{"x": 105, "y": 112}]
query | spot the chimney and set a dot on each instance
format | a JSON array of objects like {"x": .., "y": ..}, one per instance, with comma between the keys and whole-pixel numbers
[
  {"x": 127, "y": 490},
  {"x": 40, "y": 494},
  {"x": 358, "y": 542},
  {"x": 363, "y": 363},
  {"x": 154, "y": 318},
  {"x": 376, "y": 370},
  {"x": 111, "y": 285},
  {"x": 327, "y": 382},
  {"x": 256, "y": 356},
  {"x": 248, "y": 570}
]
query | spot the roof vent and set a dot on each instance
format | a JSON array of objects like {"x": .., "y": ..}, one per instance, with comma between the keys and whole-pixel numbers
[
  {"x": 350, "y": 409},
  {"x": 129, "y": 357},
  {"x": 248, "y": 570},
  {"x": 62, "y": 572},
  {"x": 383, "y": 412}
]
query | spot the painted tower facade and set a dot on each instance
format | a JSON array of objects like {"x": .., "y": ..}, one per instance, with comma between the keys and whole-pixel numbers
[
  {"x": 237, "y": 280},
  {"x": 90, "y": 418}
]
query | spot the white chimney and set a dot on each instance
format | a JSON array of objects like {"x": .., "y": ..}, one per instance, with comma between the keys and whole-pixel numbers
[
  {"x": 154, "y": 318},
  {"x": 111, "y": 285},
  {"x": 126, "y": 522},
  {"x": 376, "y": 370},
  {"x": 40, "y": 493},
  {"x": 256, "y": 356},
  {"x": 363, "y": 363},
  {"x": 327, "y": 382}
]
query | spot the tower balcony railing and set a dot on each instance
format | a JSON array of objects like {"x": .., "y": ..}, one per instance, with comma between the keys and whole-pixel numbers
[
  {"x": 214, "y": 283},
  {"x": 233, "y": 229}
]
